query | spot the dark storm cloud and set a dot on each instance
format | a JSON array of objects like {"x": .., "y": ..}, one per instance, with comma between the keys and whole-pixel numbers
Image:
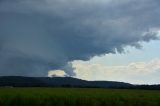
[{"x": 41, "y": 35}]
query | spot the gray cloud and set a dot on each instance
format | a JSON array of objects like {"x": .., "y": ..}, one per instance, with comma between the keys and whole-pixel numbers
[{"x": 41, "y": 35}]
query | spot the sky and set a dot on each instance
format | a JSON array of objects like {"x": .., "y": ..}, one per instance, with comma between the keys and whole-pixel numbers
[
  {"x": 88, "y": 39},
  {"x": 135, "y": 66}
]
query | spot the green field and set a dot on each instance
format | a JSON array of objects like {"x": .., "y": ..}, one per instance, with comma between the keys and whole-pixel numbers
[{"x": 77, "y": 97}]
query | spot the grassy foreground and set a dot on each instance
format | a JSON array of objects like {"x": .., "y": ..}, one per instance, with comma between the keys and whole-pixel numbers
[{"x": 77, "y": 97}]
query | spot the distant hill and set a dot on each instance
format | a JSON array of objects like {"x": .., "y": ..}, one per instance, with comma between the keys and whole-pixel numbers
[{"x": 19, "y": 81}]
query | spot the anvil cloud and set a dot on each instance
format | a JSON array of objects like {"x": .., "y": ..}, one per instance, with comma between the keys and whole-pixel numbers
[{"x": 41, "y": 35}]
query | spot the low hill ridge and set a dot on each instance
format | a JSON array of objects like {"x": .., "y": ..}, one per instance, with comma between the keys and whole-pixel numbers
[{"x": 20, "y": 81}]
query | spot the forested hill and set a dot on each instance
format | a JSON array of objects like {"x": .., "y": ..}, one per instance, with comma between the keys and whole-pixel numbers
[{"x": 19, "y": 81}]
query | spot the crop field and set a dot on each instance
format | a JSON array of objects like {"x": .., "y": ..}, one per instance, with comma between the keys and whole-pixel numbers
[{"x": 77, "y": 97}]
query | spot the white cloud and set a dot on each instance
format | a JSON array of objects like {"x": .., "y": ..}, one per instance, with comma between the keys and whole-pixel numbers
[
  {"x": 137, "y": 72},
  {"x": 56, "y": 73}
]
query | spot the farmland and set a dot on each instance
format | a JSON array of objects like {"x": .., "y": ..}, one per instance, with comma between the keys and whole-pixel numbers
[{"x": 77, "y": 97}]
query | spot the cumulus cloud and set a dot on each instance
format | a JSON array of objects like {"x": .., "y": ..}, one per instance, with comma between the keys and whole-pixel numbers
[
  {"x": 56, "y": 73},
  {"x": 137, "y": 72},
  {"x": 41, "y": 35}
]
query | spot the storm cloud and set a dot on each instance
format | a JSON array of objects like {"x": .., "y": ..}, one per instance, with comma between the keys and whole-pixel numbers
[{"x": 41, "y": 35}]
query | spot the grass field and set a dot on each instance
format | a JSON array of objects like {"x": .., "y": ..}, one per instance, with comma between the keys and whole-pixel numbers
[{"x": 77, "y": 97}]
